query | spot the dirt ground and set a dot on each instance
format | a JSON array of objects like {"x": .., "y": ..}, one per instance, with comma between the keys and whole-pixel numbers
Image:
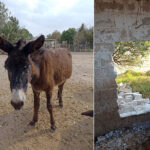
[{"x": 74, "y": 131}]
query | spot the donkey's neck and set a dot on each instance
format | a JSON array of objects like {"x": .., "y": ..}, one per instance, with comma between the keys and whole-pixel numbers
[{"x": 35, "y": 70}]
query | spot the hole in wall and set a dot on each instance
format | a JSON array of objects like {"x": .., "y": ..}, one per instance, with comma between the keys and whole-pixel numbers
[{"x": 132, "y": 64}]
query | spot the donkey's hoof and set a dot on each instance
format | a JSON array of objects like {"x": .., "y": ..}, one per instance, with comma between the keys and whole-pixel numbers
[
  {"x": 32, "y": 123},
  {"x": 53, "y": 128}
]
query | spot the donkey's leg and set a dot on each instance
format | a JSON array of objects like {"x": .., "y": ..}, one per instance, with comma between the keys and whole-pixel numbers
[
  {"x": 60, "y": 89},
  {"x": 36, "y": 107},
  {"x": 49, "y": 108}
]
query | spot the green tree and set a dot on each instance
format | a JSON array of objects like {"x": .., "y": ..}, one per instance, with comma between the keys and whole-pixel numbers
[
  {"x": 84, "y": 37},
  {"x": 10, "y": 29},
  {"x": 3, "y": 14},
  {"x": 130, "y": 53},
  {"x": 89, "y": 36},
  {"x": 25, "y": 34},
  {"x": 9, "y": 26},
  {"x": 49, "y": 36},
  {"x": 55, "y": 35},
  {"x": 68, "y": 35},
  {"x": 81, "y": 35}
]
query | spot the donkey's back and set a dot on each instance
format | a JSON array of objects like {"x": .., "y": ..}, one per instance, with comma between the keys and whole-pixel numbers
[
  {"x": 55, "y": 67},
  {"x": 62, "y": 64}
]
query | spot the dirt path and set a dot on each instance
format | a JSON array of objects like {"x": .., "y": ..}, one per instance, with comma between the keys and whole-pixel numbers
[{"x": 74, "y": 132}]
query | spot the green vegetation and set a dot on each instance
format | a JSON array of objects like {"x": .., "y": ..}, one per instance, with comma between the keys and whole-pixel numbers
[
  {"x": 130, "y": 53},
  {"x": 78, "y": 38},
  {"x": 84, "y": 37},
  {"x": 139, "y": 81},
  {"x": 9, "y": 26},
  {"x": 55, "y": 35},
  {"x": 68, "y": 35}
]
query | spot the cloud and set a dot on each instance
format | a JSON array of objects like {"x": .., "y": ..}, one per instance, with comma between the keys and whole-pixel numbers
[
  {"x": 49, "y": 15},
  {"x": 63, "y": 5}
]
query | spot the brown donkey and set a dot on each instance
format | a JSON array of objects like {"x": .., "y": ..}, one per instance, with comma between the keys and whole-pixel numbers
[{"x": 43, "y": 68}]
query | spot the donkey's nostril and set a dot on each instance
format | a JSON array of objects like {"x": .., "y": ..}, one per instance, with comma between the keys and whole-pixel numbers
[{"x": 17, "y": 105}]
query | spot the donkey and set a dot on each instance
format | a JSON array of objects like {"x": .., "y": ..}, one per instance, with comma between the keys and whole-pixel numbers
[{"x": 43, "y": 68}]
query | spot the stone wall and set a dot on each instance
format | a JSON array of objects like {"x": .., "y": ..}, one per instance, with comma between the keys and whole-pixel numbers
[
  {"x": 115, "y": 20},
  {"x": 50, "y": 43}
]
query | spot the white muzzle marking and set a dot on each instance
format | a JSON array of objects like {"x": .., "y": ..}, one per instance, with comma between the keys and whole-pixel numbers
[{"x": 18, "y": 95}]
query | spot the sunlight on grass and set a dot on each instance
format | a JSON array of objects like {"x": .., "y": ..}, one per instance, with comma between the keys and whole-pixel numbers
[{"x": 139, "y": 81}]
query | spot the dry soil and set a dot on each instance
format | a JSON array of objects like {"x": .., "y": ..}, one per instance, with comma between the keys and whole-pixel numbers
[{"x": 74, "y": 131}]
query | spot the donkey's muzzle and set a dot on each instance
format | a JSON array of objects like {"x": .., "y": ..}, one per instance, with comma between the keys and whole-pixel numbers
[{"x": 17, "y": 105}]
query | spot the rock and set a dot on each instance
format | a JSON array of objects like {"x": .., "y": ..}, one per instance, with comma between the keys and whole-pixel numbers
[{"x": 131, "y": 103}]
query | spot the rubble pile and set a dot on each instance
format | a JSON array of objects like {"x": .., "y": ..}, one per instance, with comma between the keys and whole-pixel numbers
[{"x": 131, "y": 103}]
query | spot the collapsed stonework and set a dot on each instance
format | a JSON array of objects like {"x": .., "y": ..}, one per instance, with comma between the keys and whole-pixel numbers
[
  {"x": 131, "y": 103},
  {"x": 115, "y": 20}
]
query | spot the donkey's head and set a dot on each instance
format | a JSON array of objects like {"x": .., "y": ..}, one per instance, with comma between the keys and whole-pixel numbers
[{"x": 18, "y": 67}]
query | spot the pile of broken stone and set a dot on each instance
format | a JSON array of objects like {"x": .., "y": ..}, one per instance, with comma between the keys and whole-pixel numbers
[{"x": 131, "y": 103}]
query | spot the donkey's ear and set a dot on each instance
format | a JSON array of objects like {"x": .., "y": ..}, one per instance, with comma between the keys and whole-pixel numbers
[
  {"x": 34, "y": 45},
  {"x": 5, "y": 45},
  {"x": 38, "y": 43}
]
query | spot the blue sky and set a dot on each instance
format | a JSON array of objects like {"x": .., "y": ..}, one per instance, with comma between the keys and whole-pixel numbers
[{"x": 45, "y": 16}]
